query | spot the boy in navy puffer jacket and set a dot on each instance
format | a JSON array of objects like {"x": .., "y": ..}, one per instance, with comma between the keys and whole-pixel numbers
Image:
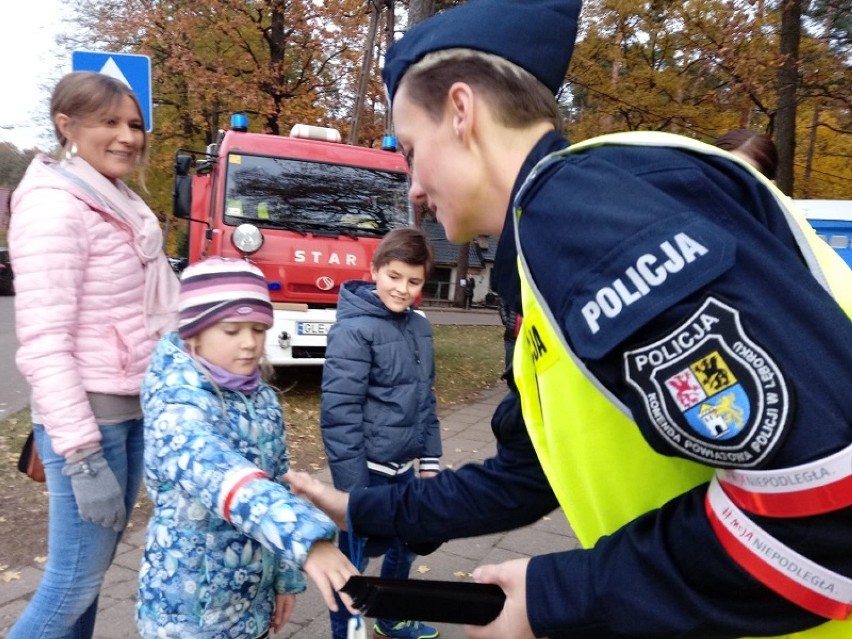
[{"x": 378, "y": 403}]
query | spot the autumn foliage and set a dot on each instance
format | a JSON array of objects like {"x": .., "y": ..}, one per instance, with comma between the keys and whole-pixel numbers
[{"x": 695, "y": 67}]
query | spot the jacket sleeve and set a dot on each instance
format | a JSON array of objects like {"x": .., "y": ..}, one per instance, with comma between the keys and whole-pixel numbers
[
  {"x": 662, "y": 575},
  {"x": 289, "y": 581},
  {"x": 505, "y": 492},
  {"x": 433, "y": 448},
  {"x": 665, "y": 574},
  {"x": 345, "y": 378},
  {"x": 182, "y": 450},
  {"x": 49, "y": 251}
]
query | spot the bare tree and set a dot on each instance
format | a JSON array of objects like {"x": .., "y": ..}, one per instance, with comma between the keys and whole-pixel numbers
[
  {"x": 419, "y": 10},
  {"x": 788, "y": 83},
  {"x": 369, "y": 45}
]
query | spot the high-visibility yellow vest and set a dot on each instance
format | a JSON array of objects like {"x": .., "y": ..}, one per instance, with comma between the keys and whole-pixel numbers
[{"x": 601, "y": 469}]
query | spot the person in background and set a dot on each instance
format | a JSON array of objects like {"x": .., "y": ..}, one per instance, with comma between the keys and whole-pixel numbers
[
  {"x": 755, "y": 148},
  {"x": 468, "y": 284},
  {"x": 680, "y": 366},
  {"x": 94, "y": 293},
  {"x": 226, "y": 541},
  {"x": 511, "y": 321},
  {"x": 378, "y": 418}
]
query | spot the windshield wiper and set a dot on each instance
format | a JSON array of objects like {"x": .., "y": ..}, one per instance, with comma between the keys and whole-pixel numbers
[
  {"x": 370, "y": 231},
  {"x": 298, "y": 227},
  {"x": 331, "y": 229}
]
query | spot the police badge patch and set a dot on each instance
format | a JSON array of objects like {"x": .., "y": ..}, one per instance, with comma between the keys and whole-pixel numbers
[{"x": 710, "y": 391}]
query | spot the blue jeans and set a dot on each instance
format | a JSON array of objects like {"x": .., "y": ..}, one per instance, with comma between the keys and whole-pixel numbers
[
  {"x": 396, "y": 564},
  {"x": 78, "y": 552}
]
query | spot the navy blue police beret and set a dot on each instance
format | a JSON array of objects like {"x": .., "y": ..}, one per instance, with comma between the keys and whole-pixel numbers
[{"x": 537, "y": 35}]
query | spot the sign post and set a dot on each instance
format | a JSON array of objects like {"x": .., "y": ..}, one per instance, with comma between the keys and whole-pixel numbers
[{"x": 134, "y": 70}]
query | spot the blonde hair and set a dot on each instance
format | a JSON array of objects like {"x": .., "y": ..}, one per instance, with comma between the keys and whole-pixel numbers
[{"x": 519, "y": 99}]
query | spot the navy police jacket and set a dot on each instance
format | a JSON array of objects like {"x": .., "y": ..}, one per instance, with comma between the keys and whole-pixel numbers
[{"x": 664, "y": 574}]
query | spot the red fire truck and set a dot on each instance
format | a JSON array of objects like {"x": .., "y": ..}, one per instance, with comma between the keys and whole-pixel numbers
[{"x": 306, "y": 209}]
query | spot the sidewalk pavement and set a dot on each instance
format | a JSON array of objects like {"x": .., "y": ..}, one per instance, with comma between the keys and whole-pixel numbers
[{"x": 466, "y": 431}]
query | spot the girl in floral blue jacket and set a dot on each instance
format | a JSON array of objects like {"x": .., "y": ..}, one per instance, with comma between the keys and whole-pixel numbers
[{"x": 226, "y": 542}]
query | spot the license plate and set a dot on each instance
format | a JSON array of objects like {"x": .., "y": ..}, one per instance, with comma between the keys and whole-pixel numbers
[{"x": 314, "y": 328}]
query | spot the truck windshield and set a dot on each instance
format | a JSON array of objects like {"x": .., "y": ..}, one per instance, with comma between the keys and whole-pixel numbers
[{"x": 315, "y": 197}]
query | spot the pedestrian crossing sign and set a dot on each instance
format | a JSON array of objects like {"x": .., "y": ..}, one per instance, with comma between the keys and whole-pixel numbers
[{"x": 132, "y": 69}]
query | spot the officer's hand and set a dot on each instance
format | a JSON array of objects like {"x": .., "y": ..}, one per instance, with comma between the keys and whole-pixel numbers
[
  {"x": 328, "y": 499},
  {"x": 512, "y": 623}
]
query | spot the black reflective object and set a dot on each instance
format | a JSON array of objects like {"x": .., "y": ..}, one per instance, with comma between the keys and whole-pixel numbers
[{"x": 435, "y": 601}]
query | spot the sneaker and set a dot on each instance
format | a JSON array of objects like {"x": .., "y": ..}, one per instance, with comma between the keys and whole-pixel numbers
[{"x": 407, "y": 630}]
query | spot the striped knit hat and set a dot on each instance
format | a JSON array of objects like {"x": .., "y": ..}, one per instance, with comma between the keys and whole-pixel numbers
[{"x": 220, "y": 289}]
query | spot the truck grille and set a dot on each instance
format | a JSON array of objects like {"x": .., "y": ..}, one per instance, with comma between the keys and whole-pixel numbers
[{"x": 308, "y": 352}]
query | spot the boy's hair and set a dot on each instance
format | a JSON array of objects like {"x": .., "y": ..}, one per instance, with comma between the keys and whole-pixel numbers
[
  {"x": 517, "y": 97},
  {"x": 408, "y": 245}
]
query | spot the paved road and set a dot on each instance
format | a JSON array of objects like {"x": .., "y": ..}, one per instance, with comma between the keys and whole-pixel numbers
[{"x": 14, "y": 391}]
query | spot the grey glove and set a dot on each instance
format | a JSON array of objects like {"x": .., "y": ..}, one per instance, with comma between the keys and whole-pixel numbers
[{"x": 99, "y": 497}]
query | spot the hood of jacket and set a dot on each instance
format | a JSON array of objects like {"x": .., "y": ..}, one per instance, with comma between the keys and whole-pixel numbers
[
  {"x": 171, "y": 358},
  {"x": 40, "y": 175},
  {"x": 359, "y": 297}
]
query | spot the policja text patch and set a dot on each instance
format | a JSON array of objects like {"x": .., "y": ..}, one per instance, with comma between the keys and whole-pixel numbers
[
  {"x": 710, "y": 391},
  {"x": 645, "y": 273}
]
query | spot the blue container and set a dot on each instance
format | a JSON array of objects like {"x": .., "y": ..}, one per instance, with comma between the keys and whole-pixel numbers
[
  {"x": 838, "y": 235},
  {"x": 832, "y": 220}
]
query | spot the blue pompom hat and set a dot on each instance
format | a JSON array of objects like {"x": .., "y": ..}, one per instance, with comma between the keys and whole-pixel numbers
[{"x": 536, "y": 35}]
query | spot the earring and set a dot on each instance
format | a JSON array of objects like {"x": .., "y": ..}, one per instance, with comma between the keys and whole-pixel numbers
[{"x": 71, "y": 151}]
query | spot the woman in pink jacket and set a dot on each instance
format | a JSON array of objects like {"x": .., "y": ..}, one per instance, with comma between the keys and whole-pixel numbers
[{"x": 94, "y": 292}]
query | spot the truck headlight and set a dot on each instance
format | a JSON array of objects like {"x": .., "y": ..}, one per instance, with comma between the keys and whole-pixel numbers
[{"x": 247, "y": 238}]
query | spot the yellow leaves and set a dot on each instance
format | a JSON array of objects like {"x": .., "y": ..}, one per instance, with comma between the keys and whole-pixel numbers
[
  {"x": 422, "y": 569},
  {"x": 9, "y": 575}
]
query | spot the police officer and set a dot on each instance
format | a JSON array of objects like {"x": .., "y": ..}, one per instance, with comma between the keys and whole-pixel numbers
[{"x": 682, "y": 363}]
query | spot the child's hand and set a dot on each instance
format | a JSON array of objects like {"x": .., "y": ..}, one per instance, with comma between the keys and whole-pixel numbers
[
  {"x": 284, "y": 605},
  {"x": 427, "y": 474},
  {"x": 331, "y": 501},
  {"x": 330, "y": 570}
]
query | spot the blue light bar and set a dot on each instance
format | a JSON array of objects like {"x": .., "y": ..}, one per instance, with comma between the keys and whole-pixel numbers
[{"x": 239, "y": 122}]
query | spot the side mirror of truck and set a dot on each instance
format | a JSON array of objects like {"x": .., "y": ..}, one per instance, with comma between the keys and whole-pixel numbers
[
  {"x": 182, "y": 193},
  {"x": 182, "y": 197},
  {"x": 183, "y": 163}
]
